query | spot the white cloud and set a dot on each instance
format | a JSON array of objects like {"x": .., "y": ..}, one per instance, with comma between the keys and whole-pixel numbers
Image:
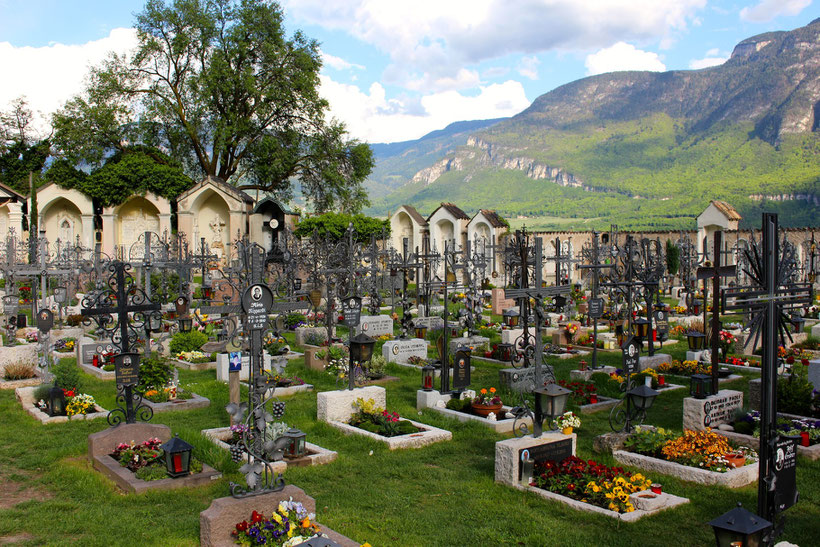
[
  {"x": 528, "y": 67},
  {"x": 696, "y": 64},
  {"x": 622, "y": 56},
  {"x": 338, "y": 63},
  {"x": 465, "y": 32},
  {"x": 372, "y": 117},
  {"x": 48, "y": 76},
  {"x": 766, "y": 10}
]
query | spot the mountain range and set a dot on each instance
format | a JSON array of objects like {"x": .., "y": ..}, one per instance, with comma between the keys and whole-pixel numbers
[{"x": 644, "y": 150}]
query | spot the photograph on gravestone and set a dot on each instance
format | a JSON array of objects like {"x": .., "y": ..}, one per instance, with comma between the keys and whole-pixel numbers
[
  {"x": 45, "y": 320},
  {"x": 235, "y": 361},
  {"x": 630, "y": 355},
  {"x": 257, "y": 301},
  {"x": 662, "y": 323},
  {"x": 556, "y": 451}
]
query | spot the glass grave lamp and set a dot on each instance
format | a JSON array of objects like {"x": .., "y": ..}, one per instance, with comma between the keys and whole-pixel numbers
[
  {"x": 428, "y": 372},
  {"x": 177, "y": 457},
  {"x": 56, "y": 402},
  {"x": 185, "y": 324},
  {"x": 361, "y": 348},
  {"x": 696, "y": 340},
  {"x": 641, "y": 328},
  {"x": 296, "y": 448},
  {"x": 739, "y": 528},
  {"x": 642, "y": 397},
  {"x": 551, "y": 400},
  {"x": 700, "y": 385},
  {"x": 505, "y": 352},
  {"x": 155, "y": 322},
  {"x": 511, "y": 317},
  {"x": 421, "y": 332},
  {"x": 797, "y": 323}
]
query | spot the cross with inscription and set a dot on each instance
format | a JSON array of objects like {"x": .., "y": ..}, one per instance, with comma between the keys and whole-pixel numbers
[
  {"x": 450, "y": 257},
  {"x": 121, "y": 298},
  {"x": 767, "y": 299},
  {"x": 523, "y": 294},
  {"x": 563, "y": 263},
  {"x": 430, "y": 259},
  {"x": 404, "y": 263},
  {"x": 595, "y": 306},
  {"x": 715, "y": 273}
]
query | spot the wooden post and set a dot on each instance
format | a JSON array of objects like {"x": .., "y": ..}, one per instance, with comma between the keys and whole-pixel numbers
[{"x": 233, "y": 390}]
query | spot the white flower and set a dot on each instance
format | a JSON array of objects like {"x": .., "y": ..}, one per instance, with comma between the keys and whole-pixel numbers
[
  {"x": 441, "y": 404},
  {"x": 371, "y": 453},
  {"x": 468, "y": 394},
  {"x": 491, "y": 416}
]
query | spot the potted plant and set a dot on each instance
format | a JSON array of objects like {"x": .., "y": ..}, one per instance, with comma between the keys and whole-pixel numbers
[
  {"x": 567, "y": 421},
  {"x": 487, "y": 401}
]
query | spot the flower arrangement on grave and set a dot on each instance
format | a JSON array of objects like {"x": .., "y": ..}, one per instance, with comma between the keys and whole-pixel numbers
[
  {"x": 384, "y": 337},
  {"x": 290, "y": 524},
  {"x": 314, "y": 339},
  {"x": 155, "y": 373},
  {"x": 25, "y": 294},
  {"x": 590, "y": 482},
  {"x": 378, "y": 420},
  {"x": 64, "y": 345},
  {"x": 571, "y": 329},
  {"x": 726, "y": 340},
  {"x": 275, "y": 345},
  {"x": 145, "y": 459},
  {"x": 567, "y": 420},
  {"x": 487, "y": 397},
  {"x": 684, "y": 368},
  {"x": 167, "y": 393},
  {"x": 796, "y": 395},
  {"x": 376, "y": 366},
  {"x": 32, "y": 337},
  {"x": 337, "y": 360},
  {"x": 196, "y": 356},
  {"x": 416, "y": 360},
  {"x": 742, "y": 362},
  {"x": 680, "y": 310},
  {"x": 295, "y": 320},
  {"x": 582, "y": 392},
  {"x": 81, "y": 403},
  {"x": 280, "y": 380},
  {"x": 807, "y": 429},
  {"x": 703, "y": 449}
]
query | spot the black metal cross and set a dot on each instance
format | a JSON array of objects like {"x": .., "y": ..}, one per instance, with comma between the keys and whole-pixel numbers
[
  {"x": 770, "y": 296},
  {"x": 715, "y": 273},
  {"x": 593, "y": 256},
  {"x": 404, "y": 263}
]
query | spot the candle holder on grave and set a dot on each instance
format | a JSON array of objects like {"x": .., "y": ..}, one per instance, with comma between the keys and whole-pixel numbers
[
  {"x": 696, "y": 340},
  {"x": 428, "y": 372},
  {"x": 700, "y": 386},
  {"x": 505, "y": 352},
  {"x": 177, "y": 457}
]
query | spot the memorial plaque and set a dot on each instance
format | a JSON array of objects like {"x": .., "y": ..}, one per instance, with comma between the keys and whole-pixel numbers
[
  {"x": 297, "y": 284},
  {"x": 662, "y": 323},
  {"x": 785, "y": 472},
  {"x": 257, "y": 301},
  {"x": 596, "y": 308},
  {"x": 45, "y": 320},
  {"x": 60, "y": 295},
  {"x": 315, "y": 297},
  {"x": 351, "y": 311},
  {"x": 631, "y": 353},
  {"x": 126, "y": 367},
  {"x": 461, "y": 372},
  {"x": 556, "y": 451},
  {"x": 87, "y": 352},
  {"x": 181, "y": 305}
]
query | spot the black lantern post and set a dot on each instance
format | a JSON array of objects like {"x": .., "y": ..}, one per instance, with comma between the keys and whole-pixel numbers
[
  {"x": 550, "y": 402},
  {"x": 739, "y": 528},
  {"x": 428, "y": 371},
  {"x": 641, "y": 398},
  {"x": 511, "y": 317},
  {"x": 361, "y": 350},
  {"x": 177, "y": 457},
  {"x": 296, "y": 447},
  {"x": 185, "y": 324},
  {"x": 696, "y": 340},
  {"x": 56, "y": 402},
  {"x": 699, "y": 385}
]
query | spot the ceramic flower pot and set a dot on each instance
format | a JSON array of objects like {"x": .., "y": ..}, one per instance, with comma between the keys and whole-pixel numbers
[
  {"x": 736, "y": 460},
  {"x": 567, "y": 431},
  {"x": 484, "y": 410}
]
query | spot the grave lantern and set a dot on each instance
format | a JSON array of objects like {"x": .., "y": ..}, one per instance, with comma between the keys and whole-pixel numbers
[
  {"x": 699, "y": 385},
  {"x": 551, "y": 400},
  {"x": 739, "y": 527},
  {"x": 642, "y": 397},
  {"x": 185, "y": 324},
  {"x": 155, "y": 322},
  {"x": 511, "y": 317},
  {"x": 428, "y": 371},
  {"x": 361, "y": 348},
  {"x": 421, "y": 332},
  {"x": 177, "y": 457},
  {"x": 296, "y": 447},
  {"x": 56, "y": 402},
  {"x": 797, "y": 323},
  {"x": 21, "y": 320},
  {"x": 505, "y": 352},
  {"x": 696, "y": 340},
  {"x": 641, "y": 328}
]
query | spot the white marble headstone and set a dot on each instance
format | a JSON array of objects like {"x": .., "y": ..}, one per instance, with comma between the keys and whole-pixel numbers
[
  {"x": 400, "y": 351},
  {"x": 376, "y": 325}
]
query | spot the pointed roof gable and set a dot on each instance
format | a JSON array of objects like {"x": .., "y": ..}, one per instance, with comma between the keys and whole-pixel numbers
[
  {"x": 452, "y": 209},
  {"x": 729, "y": 211},
  {"x": 218, "y": 183},
  {"x": 414, "y": 214},
  {"x": 493, "y": 218}
]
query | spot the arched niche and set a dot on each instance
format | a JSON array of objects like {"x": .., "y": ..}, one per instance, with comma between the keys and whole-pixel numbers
[
  {"x": 212, "y": 220},
  {"x": 132, "y": 219},
  {"x": 61, "y": 219},
  {"x": 401, "y": 227}
]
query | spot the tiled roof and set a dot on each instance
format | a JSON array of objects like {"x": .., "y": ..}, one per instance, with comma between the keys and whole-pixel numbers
[{"x": 727, "y": 210}]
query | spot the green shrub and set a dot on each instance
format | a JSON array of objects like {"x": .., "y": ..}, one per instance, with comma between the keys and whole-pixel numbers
[
  {"x": 648, "y": 441},
  {"x": 187, "y": 341},
  {"x": 41, "y": 393},
  {"x": 67, "y": 375},
  {"x": 294, "y": 319},
  {"x": 459, "y": 405},
  {"x": 794, "y": 394},
  {"x": 155, "y": 373}
]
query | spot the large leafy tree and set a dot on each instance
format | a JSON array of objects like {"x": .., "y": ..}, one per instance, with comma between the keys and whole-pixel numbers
[
  {"x": 22, "y": 152},
  {"x": 218, "y": 85}
]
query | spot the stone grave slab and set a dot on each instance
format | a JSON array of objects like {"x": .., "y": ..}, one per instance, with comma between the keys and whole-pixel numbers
[
  {"x": 470, "y": 341},
  {"x": 26, "y": 353},
  {"x": 222, "y": 360},
  {"x": 700, "y": 355},
  {"x": 814, "y": 373},
  {"x": 508, "y": 336},
  {"x": 102, "y": 443},
  {"x": 27, "y": 382},
  {"x": 698, "y": 414},
  {"x": 519, "y": 379},
  {"x": 197, "y": 401},
  {"x": 646, "y": 361},
  {"x": 815, "y": 330},
  {"x": 187, "y": 365},
  {"x": 338, "y": 405},
  {"x": 508, "y": 453},
  {"x": 432, "y": 322},
  {"x": 499, "y": 303},
  {"x": 400, "y": 351},
  {"x": 376, "y": 325},
  {"x": 25, "y": 396},
  {"x": 585, "y": 375},
  {"x": 734, "y": 478},
  {"x": 426, "y": 435},
  {"x": 435, "y": 401},
  {"x": 303, "y": 332},
  {"x": 217, "y": 522},
  {"x": 98, "y": 372},
  {"x": 316, "y": 455}
]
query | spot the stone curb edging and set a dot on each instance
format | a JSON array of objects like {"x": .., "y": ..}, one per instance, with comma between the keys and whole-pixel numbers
[
  {"x": 734, "y": 478},
  {"x": 810, "y": 452},
  {"x": 316, "y": 454},
  {"x": 197, "y": 401},
  {"x": 25, "y": 395},
  {"x": 427, "y": 435}
]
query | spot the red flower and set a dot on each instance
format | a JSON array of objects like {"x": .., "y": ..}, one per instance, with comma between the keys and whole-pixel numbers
[
  {"x": 68, "y": 392},
  {"x": 242, "y": 526},
  {"x": 256, "y": 517},
  {"x": 790, "y": 359}
]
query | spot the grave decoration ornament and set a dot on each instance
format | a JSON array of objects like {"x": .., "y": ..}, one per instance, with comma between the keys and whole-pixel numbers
[
  {"x": 770, "y": 298},
  {"x": 637, "y": 399}
]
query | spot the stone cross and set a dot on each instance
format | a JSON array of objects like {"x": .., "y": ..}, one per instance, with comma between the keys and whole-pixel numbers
[{"x": 768, "y": 298}]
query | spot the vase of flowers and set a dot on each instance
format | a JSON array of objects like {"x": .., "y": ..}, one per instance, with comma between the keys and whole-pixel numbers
[
  {"x": 570, "y": 330},
  {"x": 486, "y": 402},
  {"x": 567, "y": 421}
]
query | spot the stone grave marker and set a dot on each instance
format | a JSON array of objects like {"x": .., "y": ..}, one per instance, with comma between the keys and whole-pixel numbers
[
  {"x": 698, "y": 414},
  {"x": 400, "y": 351},
  {"x": 376, "y": 325},
  {"x": 431, "y": 323}
]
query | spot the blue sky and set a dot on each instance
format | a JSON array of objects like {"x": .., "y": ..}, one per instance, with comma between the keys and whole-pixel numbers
[{"x": 397, "y": 69}]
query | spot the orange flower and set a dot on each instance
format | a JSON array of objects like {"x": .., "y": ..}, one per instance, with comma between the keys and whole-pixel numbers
[
  {"x": 492, "y": 390},
  {"x": 484, "y": 391}
]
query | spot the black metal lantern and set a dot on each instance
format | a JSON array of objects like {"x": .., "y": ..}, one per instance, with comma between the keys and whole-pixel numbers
[
  {"x": 22, "y": 320},
  {"x": 361, "y": 348},
  {"x": 185, "y": 324},
  {"x": 421, "y": 332},
  {"x": 642, "y": 397},
  {"x": 797, "y": 323},
  {"x": 641, "y": 328},
  {"x": 177, "y": 457},
  {"x": 551, "y": 400},
  {"x": 739, "y": 528},
  {"x": 428, "y": 371},
  {"x": 505, "y": 352},
  {"x": 696, "y": 340},
  {"x": 511, "y": 317},
  {"x": 700, "y": 385},
  {"x": 207, "y": 292},
  {"x": 56, "y": 402},
  {"x": 296, "y": 447},
  {"x": 155, "y": 322}
]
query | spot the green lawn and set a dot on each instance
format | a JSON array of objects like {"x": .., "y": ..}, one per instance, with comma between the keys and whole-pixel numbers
[{"x": 443, "y": 494}]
